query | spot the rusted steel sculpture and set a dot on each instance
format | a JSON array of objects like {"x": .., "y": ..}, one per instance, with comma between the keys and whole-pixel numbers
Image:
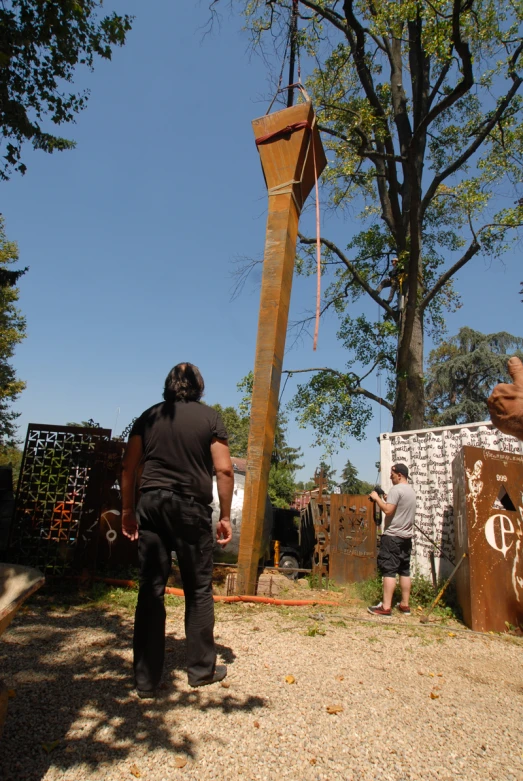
[
  {"x": 292, "y": 156},
  {"x": 352, "y": 539},
  {"x": 488, "y": 512}
]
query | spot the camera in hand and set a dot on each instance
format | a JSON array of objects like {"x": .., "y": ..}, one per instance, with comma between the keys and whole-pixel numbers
[{"x": 377, "y": 512}]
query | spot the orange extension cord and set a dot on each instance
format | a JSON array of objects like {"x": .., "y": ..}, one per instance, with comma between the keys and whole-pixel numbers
[{"x": 178, "y": 592}]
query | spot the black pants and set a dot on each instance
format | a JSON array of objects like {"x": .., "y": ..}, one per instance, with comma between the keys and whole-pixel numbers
[{"x": 169, "y": 522}]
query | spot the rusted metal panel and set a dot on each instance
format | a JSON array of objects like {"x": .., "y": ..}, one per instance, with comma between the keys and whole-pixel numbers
[
  {"x": 58, "y": 496},
  {"x": 111, "y": 549},
  {"x": 319, "y": 508},
  {"x": 352, "y": 538},
  {"x": 288, "y": 167},
  {"x": 488, "y": 511}
]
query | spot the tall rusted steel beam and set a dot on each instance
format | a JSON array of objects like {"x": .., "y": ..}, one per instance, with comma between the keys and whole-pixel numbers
[{"x": 290, "y": 151}]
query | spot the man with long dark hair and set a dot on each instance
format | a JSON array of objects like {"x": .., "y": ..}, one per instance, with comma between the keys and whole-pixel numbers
[{"x": 176, "y": 444}]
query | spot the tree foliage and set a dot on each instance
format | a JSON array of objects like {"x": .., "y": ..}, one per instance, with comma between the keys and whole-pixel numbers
[
  {"x": 329, "y": 473},
  {"x": 284, "y": 458},
  {"x": 462, "y": 372},
  {"x": 420, "y": 110},
  {"x": 41, "y": 45},
  {"x": 350, "y": 482},
  {"x": 84, "y": 424},
  {"x": 237, "y": 426},
  {"x": 12, "y": 332}
]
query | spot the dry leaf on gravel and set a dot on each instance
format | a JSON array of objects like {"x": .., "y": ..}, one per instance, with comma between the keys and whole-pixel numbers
[
  {"x": 48, "y": 747},
  {"x": 340, "y": 677},
  {"x": 313, "y": 760},
  {"x": 180, "y": 761},
  {"x": 290, "y": 679},
  {"x": 257, "y": 724},
  {"x": 451, "y": 634},
  {"x": 135, "y": 771},
  {"x": 434, "y": 696},
  {"x": 334, "y": 708}
]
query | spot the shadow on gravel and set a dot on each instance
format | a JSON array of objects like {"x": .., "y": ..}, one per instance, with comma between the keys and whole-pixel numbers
[{"x": 76, "y": 667}]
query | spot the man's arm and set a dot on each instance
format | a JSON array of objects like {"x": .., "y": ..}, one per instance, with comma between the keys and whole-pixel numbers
[
  {"x": 506, "y": 402},
  {"x": 386, "y": 507},
  {"x": 221, "y": 459},
  {"x": 131, "y": 462}
]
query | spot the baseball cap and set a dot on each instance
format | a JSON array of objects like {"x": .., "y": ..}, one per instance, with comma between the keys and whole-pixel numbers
[{"x": 401, "y": 469}]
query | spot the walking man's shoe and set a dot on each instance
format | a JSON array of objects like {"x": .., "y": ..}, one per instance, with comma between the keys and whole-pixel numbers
[
  {"x": 146, "y": 694},
  {"x": 379, "y": 610},
  {"x": 405, "y": 609},
  {"x": 219, "y": 674}
]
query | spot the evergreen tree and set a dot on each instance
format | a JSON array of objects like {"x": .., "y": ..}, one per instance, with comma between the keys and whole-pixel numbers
[
  {"x": 350, "y": 482},
  {"x": 349, "y": 479},
  {"x": 462, "y": 373},
  {"x": 329, "y": 483}
]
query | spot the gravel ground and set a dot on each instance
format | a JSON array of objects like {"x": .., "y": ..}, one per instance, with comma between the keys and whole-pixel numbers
[{"x": 411, "y": 701}]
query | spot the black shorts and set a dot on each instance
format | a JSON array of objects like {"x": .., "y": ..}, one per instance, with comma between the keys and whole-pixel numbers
[{"x": 394, "y": 556}]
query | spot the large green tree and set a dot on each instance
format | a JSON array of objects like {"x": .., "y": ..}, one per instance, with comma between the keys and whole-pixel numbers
[
  {"x": 461, "y": 373},
  {"x": 41, "y": 44},
  {"x": 420, "y": 111},
  {"x": 12, "y": 332}
]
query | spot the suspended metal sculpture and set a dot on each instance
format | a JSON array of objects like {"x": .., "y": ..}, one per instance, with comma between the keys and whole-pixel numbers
[{"x": 292, "y": 158}]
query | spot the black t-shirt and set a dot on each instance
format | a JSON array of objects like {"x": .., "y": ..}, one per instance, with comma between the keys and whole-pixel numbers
[{"x": 176, "y": 441}]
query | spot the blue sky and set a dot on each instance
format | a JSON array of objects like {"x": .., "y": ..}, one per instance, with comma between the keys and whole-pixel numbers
[{"x": 131, "y": 238}]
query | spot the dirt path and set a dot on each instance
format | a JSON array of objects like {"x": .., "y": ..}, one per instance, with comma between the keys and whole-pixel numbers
[{"x": 412, "y": 702}]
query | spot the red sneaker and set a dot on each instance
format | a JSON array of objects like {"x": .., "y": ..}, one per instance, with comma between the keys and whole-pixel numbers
[
  {"x": 405, "y": 609},
  {"x": 379, "y": 610}
]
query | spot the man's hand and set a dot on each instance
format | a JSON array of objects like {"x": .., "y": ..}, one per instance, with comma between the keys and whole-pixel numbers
[
  {"x": 506, "y": 402},
  {"x": 129, "y": 525},
  {"x": 374, "y": 496},
  {"x": 223, "y": 531}
]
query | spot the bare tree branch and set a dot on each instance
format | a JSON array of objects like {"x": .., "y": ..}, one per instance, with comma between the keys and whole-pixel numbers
[
  {"x": 354, "y": 271},
  {"x": 355, "y": 390},
  {"x": 466, "y": 82},
  {"x": 473, "y": 248},
  {"x": 245, "y": 266},
  {"x": 327, "y": 13},
  {"x": 488, "y": 126}
]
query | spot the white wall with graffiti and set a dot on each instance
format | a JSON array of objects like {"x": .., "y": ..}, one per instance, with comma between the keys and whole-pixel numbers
[{"x": 429, "y": 454}]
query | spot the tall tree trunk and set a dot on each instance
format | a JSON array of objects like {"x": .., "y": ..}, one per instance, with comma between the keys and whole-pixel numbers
[{"x": 409, "y": 410}]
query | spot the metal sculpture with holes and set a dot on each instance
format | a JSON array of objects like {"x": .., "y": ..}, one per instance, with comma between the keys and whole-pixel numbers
[{"x": 488, "y": 512}]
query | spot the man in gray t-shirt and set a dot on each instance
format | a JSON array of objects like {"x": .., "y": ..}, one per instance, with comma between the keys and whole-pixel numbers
[{"x": 399, "y": 507}]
